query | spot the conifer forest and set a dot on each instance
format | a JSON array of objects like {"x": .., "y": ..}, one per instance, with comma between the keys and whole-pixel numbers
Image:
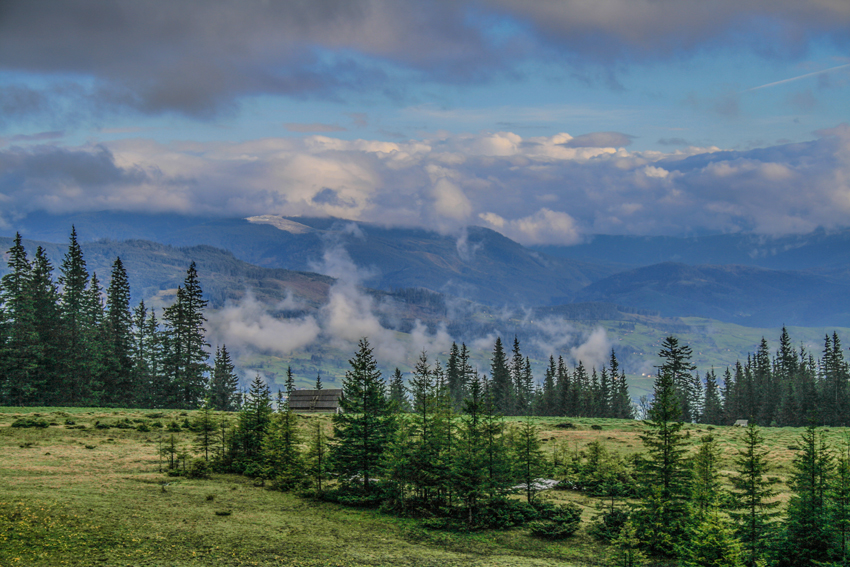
[{"x": 457, "y": 450}]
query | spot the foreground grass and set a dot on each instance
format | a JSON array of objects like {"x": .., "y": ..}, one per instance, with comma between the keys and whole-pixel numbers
[
  {"x": 92, "y": 496},
  {"x": 73, "y": 494}
]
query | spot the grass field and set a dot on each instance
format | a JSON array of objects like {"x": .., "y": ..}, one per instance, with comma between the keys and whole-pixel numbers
[{"x": 75, "y": 494}]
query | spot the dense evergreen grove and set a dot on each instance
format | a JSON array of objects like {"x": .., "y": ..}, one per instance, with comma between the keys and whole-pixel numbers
[{"x": 72, "y": 343}]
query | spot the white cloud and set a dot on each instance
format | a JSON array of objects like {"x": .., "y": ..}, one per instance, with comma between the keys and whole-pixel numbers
[{"x": 447, "y": 182}]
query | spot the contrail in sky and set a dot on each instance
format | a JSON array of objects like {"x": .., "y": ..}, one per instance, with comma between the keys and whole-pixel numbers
[{"x": 798, "y": 78}]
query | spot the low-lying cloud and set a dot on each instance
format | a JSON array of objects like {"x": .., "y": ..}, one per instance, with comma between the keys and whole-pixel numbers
[{"x": 535, "y": 190}]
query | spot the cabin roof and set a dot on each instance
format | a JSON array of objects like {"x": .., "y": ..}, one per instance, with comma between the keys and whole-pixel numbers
[{"x": 315, "y": 400}]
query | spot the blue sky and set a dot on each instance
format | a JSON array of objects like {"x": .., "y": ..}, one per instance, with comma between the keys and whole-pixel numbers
[{"x": 546, "y": 120}]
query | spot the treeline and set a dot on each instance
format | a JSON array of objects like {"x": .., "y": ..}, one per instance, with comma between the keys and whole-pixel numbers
[
  {"x": 458, "y": 470},
  {"x": 562, "y": 392},
  {"x": 789, "y": 388},
  {"x": 62, "y": 344}
]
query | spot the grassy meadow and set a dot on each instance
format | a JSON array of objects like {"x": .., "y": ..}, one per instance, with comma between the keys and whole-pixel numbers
[{"x": 79, "y": 493}]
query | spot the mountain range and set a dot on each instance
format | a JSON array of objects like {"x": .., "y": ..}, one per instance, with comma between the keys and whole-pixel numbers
[{"x": 739, "y": 278}]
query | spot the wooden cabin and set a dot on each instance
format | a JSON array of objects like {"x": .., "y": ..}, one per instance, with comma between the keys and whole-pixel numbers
[{"x": 316, "y": 400}]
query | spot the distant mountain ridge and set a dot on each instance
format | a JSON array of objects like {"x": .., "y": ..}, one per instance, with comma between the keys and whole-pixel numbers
[
  {"x": 745, "y": 279},
  {"x": 486, "y": 267}
]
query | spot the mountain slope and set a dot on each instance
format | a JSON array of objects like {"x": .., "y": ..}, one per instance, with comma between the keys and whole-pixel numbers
[
  {"x": 481, "y": 265},
  {"x": 156, "y": 268},
  {"x": 818, "y": 249},
  {"x": 738, "y": 294}
]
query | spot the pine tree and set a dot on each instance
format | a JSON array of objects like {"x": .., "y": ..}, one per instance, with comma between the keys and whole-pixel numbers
[
  {"x": 365, "y": 425},
  {"x": 517, "y": 369},
  {"x": 713, "y": 409},
  {"x": 677, "y": 362},
  {"x": 21, "y": 351},
  {"x": 186, "y": 358},
  {"x": 290, "y": 383},
  {"x": 662, "y": 519},
  {"x": 528, "y": 458},
  {"x": 754, "y": 494},
  {"x": 224, "y": 386},
  {"x": 706, "y": 490},
  {"x": 839, "y": 495},
  {"x": 318, "y": 465},
  {"x": 470, "y": 458},
  {"x": 318, "y": 382},
  {"x": 118, "y": 385},
  {"x": 550, "y": 400},
  {"x": 398, "y": 392},
  {"x": 455, "y": 374},
  {"x": 74, "y": 280},
  {"x": 205, "y": 426},
  {"x": 712, "y": 544},
  {"x": 808, "y": 537},
  {"x": 500, "y": 375},
  {"x": 253, "y": 423},
  {"x": 282, "y": 462},
  {"x": 48, "y": 327}
]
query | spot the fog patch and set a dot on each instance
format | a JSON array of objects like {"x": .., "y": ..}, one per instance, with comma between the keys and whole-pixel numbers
[{"x": 249, "y": 325}]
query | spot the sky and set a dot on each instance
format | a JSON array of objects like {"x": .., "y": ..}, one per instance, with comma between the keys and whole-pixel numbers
[{"x": 546, "y": 120}]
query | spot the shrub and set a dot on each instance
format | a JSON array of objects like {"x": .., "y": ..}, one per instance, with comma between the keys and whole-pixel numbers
[
  {"x": 607, "y": 525},
  {"x": 562, "y": 525},
  {"x": 198, "y": 468},
  {"x": 27, "y": 422},
  {"x": 70, "y": 422},
  {"x": 596, "y": 427},
  {"x": 565, "y": 425},
  {"x": 143, "y": 427},
  {"x": 100, "y": 425},
  {"x": 173, "y": 426}
]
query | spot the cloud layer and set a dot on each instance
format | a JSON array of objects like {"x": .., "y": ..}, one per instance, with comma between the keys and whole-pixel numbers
[
  {"x": 199, "y": 57},
  {"x": 535, "y": 190}
]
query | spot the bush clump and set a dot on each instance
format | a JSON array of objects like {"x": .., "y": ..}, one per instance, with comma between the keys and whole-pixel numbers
[
  {"x": 27, "y": 422},
  {"x": 562, "y": 524},
  {"x": 198, "y": 468}
]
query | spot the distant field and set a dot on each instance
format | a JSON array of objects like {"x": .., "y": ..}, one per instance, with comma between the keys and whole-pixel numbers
[{"x": 87, "y": 496}]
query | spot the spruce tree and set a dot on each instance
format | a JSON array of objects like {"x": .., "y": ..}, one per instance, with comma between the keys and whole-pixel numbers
[
  {"x": 74, "y": 280},
  {"x": 470, "y": 458},
  {"x": 318, "y": 466},
  {"x": 118, "y": 385},
  {"x": 365, "y": 425},
  {"x": 517, "y": 369},
  {"x": 754, "y": 495},
  {"x": 224, "y": 386},
  {"x": 550, "y": 400},
  {"x": 528, "y": 458},
  {"x": 20, "y": 350},
  {"x": 186, "y": 358},
  {"x": 398, "y": 392},
  {"x": 253, "y": 423},
  {"x": 282, "y": 461},
  {"x": 662, "y": 518},
  {"x": 807, "y": 527},
  {"x": 48, "y": 327},
  {"x": 713, "y": 408},
  {"x": 500, "y": 376},
  {"x": 705, "y": 487},
  {"x": 205, "y": 426},
  {"x": 839, "y": 495},
  {"x": 677, "y": 362}
]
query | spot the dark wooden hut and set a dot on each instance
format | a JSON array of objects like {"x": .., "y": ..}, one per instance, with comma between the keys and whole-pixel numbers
[{"x": 316, "y": 400}]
